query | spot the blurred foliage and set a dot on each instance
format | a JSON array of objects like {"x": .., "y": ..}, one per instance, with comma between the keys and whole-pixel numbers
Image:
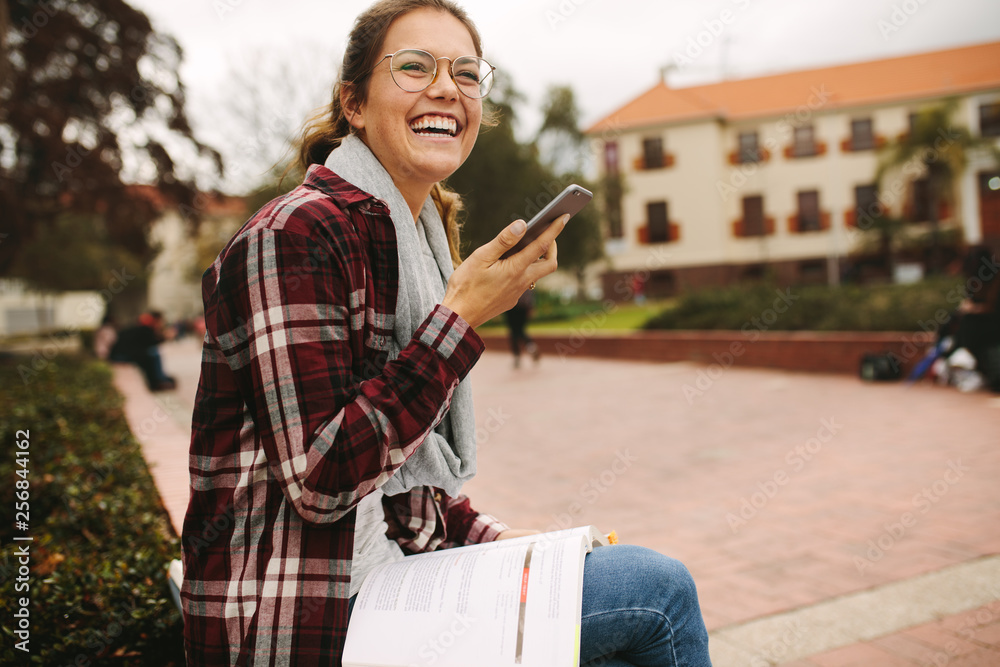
[
  {"x": 505, "y": 179},
  {"x": 90, "y": 101},
  {"x": 812, "y": 308},
  {"x": 101, "y": 537},
  {"x": 937, "y": 150},
  {"x": 502, "y": 178},
  {"x": 76, "y": 250},
  {"x": 566, "y": 152}
]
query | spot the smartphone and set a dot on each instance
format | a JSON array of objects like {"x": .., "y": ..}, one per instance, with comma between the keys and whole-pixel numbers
[{"x": 570, "y": 200}]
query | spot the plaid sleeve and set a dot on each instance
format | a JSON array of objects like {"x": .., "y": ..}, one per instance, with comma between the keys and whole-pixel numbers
[
  {"x": 427, "y": 519},
  {"x": 467, "y": 526},
  {"x": 294, "y": 340}
]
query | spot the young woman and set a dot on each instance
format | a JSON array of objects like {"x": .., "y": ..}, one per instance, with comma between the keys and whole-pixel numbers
[{"x": 333, "y": 428}]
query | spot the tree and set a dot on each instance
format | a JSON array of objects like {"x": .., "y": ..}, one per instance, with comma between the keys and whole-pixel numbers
[
  {"x": 502, "y": 179},
  {"x": 936, "y": 151},
  {"x": 566, "y": 150},
  {"x": 90, "y": 105},
  {"x": 258, "y": 112}
]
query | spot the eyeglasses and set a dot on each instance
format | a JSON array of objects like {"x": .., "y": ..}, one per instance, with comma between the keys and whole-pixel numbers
[{"x": 414, "y": 70}]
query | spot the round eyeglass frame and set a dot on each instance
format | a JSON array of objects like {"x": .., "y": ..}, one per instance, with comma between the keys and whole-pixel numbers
[{"x": 451, "y": 72}]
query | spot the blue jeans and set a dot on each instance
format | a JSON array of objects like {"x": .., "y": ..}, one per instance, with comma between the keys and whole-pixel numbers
[{"x": 640, "y": 608}]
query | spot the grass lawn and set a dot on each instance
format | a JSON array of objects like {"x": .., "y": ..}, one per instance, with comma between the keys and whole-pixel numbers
[
  {"x": 619, "y": 318},
  {"x": 804, "y": 308}
]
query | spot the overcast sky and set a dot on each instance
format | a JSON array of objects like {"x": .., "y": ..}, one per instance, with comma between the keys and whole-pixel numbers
[{"x": 608, "y": 50}]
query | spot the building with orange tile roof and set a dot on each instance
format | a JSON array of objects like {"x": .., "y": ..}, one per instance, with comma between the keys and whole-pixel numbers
[{"x": 738, "y": 178}]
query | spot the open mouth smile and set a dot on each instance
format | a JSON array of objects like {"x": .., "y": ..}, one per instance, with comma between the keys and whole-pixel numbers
[{"x": 435, "y": 126}]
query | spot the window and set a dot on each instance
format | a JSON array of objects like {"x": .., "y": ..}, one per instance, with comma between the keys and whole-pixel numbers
[
  {"x": 659, "y": 227},
  {"x": 920, "y": 200},
  {"x": 989, "y": 206},
  {"x": 866, "y": 205},
  {"x": 611, "y": 157},
  {"x": 804, "y": 143},
  {"x": 989, "y": 119},
  {"x": 809, "y": 220},
  {"x": 749, "y": 148},
  {"x": 862, "y": 137},
  {"x": 613, "y": 212},
  {"x": 652, "y": 153},
  {"x": 753, "y": 216}
]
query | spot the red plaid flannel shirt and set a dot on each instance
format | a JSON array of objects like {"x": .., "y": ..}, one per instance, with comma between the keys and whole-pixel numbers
[{"x": 299, "y": 414}]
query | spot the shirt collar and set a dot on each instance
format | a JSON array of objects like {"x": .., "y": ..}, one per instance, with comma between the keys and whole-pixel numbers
[{"x": 345, "y": 194}]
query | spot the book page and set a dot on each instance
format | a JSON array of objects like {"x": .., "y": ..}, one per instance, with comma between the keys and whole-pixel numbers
[{"x": 510, "y": 602}]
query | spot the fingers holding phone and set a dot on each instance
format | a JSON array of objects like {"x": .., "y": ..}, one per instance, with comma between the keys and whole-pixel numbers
[
  {"x": 568, "y": 202},
  {"x": 484, "y": 286},
  {"x": 490, "y": 281}
]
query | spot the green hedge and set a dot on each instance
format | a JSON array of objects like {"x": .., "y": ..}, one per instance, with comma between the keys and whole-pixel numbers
[
  {"x": 101, "y": 537},
  {"x": 813, "y": 308}
]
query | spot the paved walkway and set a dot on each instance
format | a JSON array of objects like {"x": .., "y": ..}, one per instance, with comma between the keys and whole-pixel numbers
[{"x": 827, "y": 522}]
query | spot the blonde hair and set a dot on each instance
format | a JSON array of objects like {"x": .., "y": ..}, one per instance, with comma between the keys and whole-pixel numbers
[{"x": 325, "y": 129}]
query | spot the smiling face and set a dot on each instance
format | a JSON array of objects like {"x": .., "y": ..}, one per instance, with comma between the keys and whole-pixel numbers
[{"x": 420, "y": 138}]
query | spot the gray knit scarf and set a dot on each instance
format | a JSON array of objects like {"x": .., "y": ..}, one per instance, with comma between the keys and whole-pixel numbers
[{"x": 447, "y": 457}]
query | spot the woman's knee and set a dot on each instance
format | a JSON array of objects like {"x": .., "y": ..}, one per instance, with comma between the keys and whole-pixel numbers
[{"x": 635, "y": 572}]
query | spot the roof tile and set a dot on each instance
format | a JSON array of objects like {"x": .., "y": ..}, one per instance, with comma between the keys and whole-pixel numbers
[{"x": 936, "y": 74}]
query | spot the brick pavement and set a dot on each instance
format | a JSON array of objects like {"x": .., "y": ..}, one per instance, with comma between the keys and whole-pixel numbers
[{"x": 780, "y": 491}]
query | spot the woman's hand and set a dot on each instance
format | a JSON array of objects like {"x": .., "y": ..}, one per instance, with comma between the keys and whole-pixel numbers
[
  {"x": 485, "y": 285},
  {"x": 516, "y": 532}
]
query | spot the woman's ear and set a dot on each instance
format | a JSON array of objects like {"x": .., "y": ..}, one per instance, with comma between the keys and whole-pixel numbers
[{"x": 352, "y": 110}]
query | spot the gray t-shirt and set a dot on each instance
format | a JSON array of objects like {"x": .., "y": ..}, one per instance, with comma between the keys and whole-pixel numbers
[{"x": 371, "y": 546}]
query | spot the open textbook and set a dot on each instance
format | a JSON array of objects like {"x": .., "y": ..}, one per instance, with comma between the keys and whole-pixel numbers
[{"x": 509, "y": 602}]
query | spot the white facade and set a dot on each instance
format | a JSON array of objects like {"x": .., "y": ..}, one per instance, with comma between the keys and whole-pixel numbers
[
  {"x": 172, "y": 287},
  {"x": 28, "y": 312},
  {"x": 704, "y": 186}
]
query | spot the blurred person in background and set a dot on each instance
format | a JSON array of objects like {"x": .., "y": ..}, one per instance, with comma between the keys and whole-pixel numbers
[
  {"x": 139, "y": 344},
  {"x": 105, "y": 337},
  {"x": 975, "y": 325},
  {"x": 517, "y": 325}
]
